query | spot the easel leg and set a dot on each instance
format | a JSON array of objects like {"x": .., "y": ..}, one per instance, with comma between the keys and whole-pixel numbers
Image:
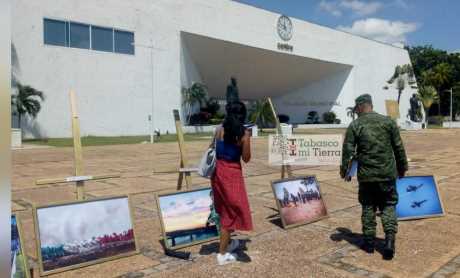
[
  {"x": 180, "y": 180},
  {"x": 80, "y": 190},
  {"x": 286, "y": 169},
  {"x": 188, "y": 180}
]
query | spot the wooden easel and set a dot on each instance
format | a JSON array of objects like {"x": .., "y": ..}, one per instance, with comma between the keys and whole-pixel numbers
[
  {"x": 184, "y": 170},
  {"x": 285, "y": 168},
  {"x": 79, "y": 177}
]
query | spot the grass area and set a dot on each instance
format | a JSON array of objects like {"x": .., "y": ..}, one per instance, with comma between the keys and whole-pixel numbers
[
  {"x": 434, "y": 126},
  {"x": 100, "y": 141}
]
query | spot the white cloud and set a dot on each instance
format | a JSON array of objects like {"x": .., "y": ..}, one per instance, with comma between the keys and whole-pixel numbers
[
  {"x": 400, "y": 4},
  {"x": 330, "y": 7},
  {"x": 361, "y": 8},
  {"x": 82, "y": 221},
  {"x": 357, "y": 7},
  {"x": 393, "y": 32}
]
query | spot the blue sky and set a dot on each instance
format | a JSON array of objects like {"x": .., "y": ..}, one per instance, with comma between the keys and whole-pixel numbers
[{"x": 412, "y": 22}]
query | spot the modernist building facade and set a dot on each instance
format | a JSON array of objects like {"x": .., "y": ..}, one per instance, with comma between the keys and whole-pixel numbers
[{"x": 127, "y": 60}]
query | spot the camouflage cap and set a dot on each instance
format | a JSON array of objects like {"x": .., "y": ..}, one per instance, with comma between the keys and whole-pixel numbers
[{"x": 366, "y": 98}]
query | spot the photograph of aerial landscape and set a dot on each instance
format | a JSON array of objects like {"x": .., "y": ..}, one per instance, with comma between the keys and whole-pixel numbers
[{"x": 84, "y": 232}]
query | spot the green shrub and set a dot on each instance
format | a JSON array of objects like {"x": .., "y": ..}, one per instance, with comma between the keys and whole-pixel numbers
[
  {"x": 435, "y": 120},
  {"x": 329, "y": 117},
  {"x": 284, "y": 119},
  {"x": 312, "y": 118},
  {"x": 219, "y": 115},
  {"x": 215, "y": 121}
]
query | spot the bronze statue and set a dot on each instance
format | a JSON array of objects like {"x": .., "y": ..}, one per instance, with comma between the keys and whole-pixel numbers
[
  {"x": 232, "y": 91},
  {"x": 414, "y": 107}
]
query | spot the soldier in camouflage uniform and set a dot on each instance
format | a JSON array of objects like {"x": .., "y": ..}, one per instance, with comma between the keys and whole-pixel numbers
[{"x": 374, "y": 141}]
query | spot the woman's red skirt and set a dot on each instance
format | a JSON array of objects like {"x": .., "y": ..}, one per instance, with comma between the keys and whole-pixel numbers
[{"x": 230, "y": 197}]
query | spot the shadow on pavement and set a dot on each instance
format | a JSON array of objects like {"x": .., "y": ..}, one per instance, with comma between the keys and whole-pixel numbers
[
  {"x": 355, "y": 239},
  {"x": 213, "y": 248}
]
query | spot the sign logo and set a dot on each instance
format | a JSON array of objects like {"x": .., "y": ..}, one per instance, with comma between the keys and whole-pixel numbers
[{"x": 305, "y": 149}]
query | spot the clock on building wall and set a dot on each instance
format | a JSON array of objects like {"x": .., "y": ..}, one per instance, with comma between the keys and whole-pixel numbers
[{"x": 284, "y": 27}]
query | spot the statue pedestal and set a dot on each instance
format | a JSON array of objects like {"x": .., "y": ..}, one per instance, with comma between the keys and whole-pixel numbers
[
  {"x": 16, "y": 138},
  {"x": 410, "y": 125},
  {"x": 286, "y": 129}
]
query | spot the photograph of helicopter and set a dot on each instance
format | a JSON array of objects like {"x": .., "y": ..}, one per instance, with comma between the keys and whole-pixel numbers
[{"x": 418, "y": 198}]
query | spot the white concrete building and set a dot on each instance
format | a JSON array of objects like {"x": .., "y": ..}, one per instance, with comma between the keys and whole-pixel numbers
[{"x": 86, "y": 46}]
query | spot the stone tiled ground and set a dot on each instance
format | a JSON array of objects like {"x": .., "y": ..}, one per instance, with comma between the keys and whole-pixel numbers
[{"x": 426, "y": 248}]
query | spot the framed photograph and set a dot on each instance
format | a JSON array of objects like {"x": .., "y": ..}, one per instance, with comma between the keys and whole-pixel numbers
[
  {"x": 299, "y": 200},
  {"x": 77, "y": 234},
  {"x": 19, "y": 265},
  {"x": 187, "y": 217},
  {"x": 418, "y": 198}
]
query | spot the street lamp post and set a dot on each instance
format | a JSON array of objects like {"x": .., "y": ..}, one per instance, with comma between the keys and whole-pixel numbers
[
  {"x": 451, "y": 107},
  {"x": 151, "y": 117},
  {"x": 451, "y": 114}
]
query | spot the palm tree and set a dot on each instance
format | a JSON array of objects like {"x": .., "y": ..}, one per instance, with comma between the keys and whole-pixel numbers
[
  {"x": 196, "y": 93},
  {"x": 261, "y": 114},
  {"x": 427, "y": 95},
  {"x": 402, "y": 74},
  {"x": 438, "y": 77},
  {"x": 351, "y": 112},
  {"x": 26, "y": 101}
]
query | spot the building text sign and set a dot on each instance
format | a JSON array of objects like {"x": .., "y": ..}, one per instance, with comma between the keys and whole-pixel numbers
[{"x": 305, "y": 149}]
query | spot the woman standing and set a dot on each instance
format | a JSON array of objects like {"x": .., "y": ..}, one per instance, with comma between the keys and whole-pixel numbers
[{"x": 230, "y": 197}]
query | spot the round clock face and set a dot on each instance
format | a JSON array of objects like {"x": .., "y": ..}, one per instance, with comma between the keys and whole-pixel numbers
[{"x": 284, "y": 27}]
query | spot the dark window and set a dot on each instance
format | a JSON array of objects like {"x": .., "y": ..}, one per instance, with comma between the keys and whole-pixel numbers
[
  {"x": 101, "y": 39},
  {"x": 79, "y": 35},
  {"x": 67, "y": 33},
  {"x": 55, "y": 32},
  {"x": 124, "y": 42}
]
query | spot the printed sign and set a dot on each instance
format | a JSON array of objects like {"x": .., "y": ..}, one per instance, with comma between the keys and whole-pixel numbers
[
  {"x": 305, "y": 149},
  {"x": 392, "y": 107}
]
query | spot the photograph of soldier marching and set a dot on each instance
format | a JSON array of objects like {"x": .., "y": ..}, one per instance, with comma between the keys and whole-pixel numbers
[{"x": 374, "y": 141}]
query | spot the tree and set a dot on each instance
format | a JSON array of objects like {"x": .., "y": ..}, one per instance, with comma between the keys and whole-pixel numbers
[
  {"x": 456, "y": 99},
  {"x": 351, "y": 112},
  {"x": 402, "y": 75},
  {"x": 26, "y": 102},
  {"x": 196, "y": 93},
  {"x": 261, "y": 114},
  {"x": 427, "y": 95},
  {"x": 424, "y": 60},
  {"x": 440, "y": 77}
]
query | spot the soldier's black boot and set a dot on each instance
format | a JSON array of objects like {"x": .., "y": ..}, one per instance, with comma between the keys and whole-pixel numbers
[
  {"x": 368, "y": 245},
  {"x": 389, "y": 248}
]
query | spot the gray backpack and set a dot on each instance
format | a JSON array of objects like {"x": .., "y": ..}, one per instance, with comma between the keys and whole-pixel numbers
[{"x": 207, "y": 164}]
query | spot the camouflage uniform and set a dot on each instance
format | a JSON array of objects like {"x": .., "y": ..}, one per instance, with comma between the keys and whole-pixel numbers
[{"x": 374, "y": 141}]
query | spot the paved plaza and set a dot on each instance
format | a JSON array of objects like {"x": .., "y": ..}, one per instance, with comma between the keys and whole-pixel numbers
[{"x": 327, "y": 248}]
